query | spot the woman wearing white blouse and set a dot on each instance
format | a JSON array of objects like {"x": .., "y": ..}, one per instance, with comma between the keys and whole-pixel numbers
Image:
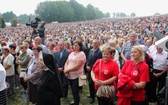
[{"x": 3, "y": 92}]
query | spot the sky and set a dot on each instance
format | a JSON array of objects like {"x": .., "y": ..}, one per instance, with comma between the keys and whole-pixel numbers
[{"x": 140, "y": 7}]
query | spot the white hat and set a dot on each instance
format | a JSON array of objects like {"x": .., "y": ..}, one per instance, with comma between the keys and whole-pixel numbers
[{"x": 144, "y": 48}]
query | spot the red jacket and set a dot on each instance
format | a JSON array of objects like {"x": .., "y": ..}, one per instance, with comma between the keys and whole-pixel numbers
[{"x": 124, "y": 87}]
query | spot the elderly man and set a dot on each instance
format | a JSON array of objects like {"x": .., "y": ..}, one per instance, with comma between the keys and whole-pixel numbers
[
  {"x": 38, "y": 41},
  {"x": 160, "y": 66},
  {"x": 126, "y": 51}
]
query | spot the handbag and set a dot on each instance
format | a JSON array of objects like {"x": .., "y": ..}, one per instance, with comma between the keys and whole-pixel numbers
[
  {"x": 105, "y": 91},
  {"x": 82, "y": 80}
]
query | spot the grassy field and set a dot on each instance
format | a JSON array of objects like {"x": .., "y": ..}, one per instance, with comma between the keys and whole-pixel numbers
[{"x": 17, "y": 98}]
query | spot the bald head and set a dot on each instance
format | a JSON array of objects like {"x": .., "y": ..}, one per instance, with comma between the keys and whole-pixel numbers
[{"x": 37, "y": 40}]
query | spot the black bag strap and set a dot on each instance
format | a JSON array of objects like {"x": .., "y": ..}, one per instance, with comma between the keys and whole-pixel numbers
[{"x": 136, "y": 67}]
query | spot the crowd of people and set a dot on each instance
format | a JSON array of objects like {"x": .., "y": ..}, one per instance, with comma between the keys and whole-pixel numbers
[{"x": 117, "y": 52}]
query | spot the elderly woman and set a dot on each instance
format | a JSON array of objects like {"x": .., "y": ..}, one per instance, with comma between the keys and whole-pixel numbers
[
  {"x": 74, "y": 68},
  {"x": 23, "y": 61},
  {"x": 7, "y": 60},
  {"x": 132, "y": 79},
  {"x": 3, "y": 92},
  {"x": 108, "y": 69},
  {"x": 34, "y": 73}
]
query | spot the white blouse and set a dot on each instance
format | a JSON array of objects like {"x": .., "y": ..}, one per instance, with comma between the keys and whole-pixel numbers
[{"x": 2, "y": 78}]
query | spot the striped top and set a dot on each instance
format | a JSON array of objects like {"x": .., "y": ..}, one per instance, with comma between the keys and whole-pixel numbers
[{"x": 3, "y": 97}]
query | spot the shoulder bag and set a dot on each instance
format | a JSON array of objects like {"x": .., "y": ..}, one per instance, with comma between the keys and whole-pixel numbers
[{"x": 105, "y": 91}]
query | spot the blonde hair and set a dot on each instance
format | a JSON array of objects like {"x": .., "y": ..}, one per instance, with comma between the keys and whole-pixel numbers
[
  {"x": 109, "y": 49},
  {"x": 112, "y": 42},
  {"x": 140, "y": 50},
  {"x": 68, "y": 43}
]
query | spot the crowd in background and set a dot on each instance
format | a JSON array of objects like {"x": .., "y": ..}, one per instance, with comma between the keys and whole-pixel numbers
[{"x": 89, "y": 38}]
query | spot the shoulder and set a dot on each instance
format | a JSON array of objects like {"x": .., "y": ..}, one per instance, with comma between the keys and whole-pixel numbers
[
  {"x": 128, "y": 61},
  {"x": 67, "y": 51},
  {"x": 143, "y": 65}
]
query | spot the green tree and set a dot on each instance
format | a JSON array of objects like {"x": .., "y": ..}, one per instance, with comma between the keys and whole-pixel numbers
[
  {"x": 133, "y": 14},
  {"x": 117, "y": 14},
  {"x": 2, "y": 22},
  {"x": 107, "y": 15},
  {"x": 99, "y": 14},
  {"x": 13, "y": 22},
  {"x": 8, "y": 16},
  {"x": 23, "y": 18},
  {"x": 114, "y": 15},
  {"x": 122, "y": 14},
  {"x": 157, "y": 14},
  {"x": 90, "y": 13},
  {"x": 54, "y": 11},
  {"x": 78, "y": 9}
]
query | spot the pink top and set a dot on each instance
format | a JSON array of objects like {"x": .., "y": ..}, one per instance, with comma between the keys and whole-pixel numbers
[{"x": 72, "y": 60}]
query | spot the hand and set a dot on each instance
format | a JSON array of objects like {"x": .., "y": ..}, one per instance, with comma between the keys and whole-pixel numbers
[
  {"x": 60, "y": 70},
  {"x": 88, "y": 68},
  {"x": 18, "y": 61},
  {"x": 42, "y": 63},
  {"x": 65, "y": 71},
  {"x": 66, "y": 75},
  {"x": 100, "y": 82},
  {"x": 157, "y": 74},
  {"x": 24, "y": 79}
]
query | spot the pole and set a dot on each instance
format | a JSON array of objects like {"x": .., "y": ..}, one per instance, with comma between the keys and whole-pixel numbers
[{"x": 166, "y": 95}]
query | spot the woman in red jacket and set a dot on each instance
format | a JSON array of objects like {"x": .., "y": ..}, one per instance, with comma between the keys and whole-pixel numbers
[{"x": 137, "y": 70}]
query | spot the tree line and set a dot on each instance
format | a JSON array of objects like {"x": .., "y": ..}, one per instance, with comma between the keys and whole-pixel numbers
[{"x": 60, "y": 11}]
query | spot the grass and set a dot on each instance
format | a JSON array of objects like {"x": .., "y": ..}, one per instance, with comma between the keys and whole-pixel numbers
[{"x": 83, "y": 98}]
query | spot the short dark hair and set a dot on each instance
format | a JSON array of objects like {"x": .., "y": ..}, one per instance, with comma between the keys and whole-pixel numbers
[
  {"x": 12, "y": 46},
  {"x": 80, "y": 45}
]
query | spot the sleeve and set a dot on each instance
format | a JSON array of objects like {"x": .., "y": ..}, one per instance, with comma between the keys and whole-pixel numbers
[
  {"x": 35, "y": 74},
  {"x": 123, "y": 49},
  {"x": 95, "y": 65},
  {"x": 2, "y": 76},
  {"x": 10, "y": 60},
  {"x": 26, "y": 60},
  {"x": 115, "y": 70},
  {"x": 82, "y": 57},
  {"x": 124, "y": 67},
  {"x": 144, "y": 74}
]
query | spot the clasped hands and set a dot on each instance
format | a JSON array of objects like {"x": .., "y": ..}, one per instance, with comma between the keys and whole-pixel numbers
[{"x": 98, "y": 82}]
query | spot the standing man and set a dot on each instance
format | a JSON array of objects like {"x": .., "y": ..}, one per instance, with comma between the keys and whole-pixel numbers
[
  {"x": 38, "y": 41},
  {"x": 41, "y": 30},
  {"x": 60, "y": 58},
  {"x": 94, "y": 54},
  {"x": 126, "y": 51}
]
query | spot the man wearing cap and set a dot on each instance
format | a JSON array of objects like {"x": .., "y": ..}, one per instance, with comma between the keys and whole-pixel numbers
[{"x": 7, "y": 60}]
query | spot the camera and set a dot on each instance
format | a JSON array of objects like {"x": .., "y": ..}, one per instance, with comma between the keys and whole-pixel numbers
[
  {"x": 34, "y": 24},
  {"x": 162, "y": 41}
]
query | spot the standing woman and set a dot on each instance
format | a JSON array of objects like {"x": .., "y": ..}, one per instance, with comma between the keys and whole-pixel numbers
[
  {"x": 3, "y": 91},
  {"x": 134, "y": 75},
  {"x": 109, "y": 71},
  {"x": 23, "y": 61},
  {"x": 34, "y": 73},
  {"x": 74, "y": 68}
]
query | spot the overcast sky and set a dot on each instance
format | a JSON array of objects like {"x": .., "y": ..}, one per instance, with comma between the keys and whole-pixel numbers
[{"x": 140, "y": 7}]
